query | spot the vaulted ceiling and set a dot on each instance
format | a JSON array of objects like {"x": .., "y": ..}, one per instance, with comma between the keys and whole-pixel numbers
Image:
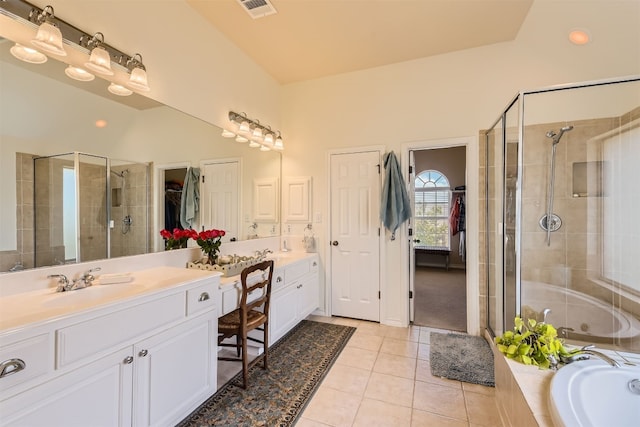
[{"x": 309, "y": 39}]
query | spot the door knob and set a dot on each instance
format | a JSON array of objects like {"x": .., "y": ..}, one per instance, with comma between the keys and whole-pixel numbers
[
  {"x": 416, "y": 240},
  {"x": 334, "y": 243}
]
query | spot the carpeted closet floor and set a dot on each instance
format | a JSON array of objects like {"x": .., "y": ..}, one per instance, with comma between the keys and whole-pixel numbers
[{"x": 440, "y": 299}]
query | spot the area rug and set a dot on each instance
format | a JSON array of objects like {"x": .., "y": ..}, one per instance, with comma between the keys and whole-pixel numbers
[
  {"x": 276, "y": 397},
  {"x": 462, "y": 357}
]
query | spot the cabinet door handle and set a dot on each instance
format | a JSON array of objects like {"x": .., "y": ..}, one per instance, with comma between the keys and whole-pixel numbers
[
  {"x": 203, "y": 296},
  {"x": 128, "y": 360},
  {"x": 298, "y": 287},
  {"x": 11, "y": 366},
  {"x": 143, "y": 353},
  {"x": 278, "y": 279},
  {"x": 315, "y": 263}
]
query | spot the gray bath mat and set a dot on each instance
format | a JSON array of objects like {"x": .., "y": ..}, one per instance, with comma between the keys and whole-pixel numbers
[{"x": 462, "y": 357}]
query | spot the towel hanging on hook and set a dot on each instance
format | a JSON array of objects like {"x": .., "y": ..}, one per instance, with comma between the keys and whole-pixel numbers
[{"x": 309, "y": 240}]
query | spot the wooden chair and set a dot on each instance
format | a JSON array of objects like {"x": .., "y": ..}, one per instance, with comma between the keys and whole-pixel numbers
[{"x": 252, "y": 313}]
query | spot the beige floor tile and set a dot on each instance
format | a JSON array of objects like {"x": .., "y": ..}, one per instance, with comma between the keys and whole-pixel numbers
[
  {"x": 390, "y": 389},
  {"x": 323, "y": 319},
  {"x": 482, "y": 409},
  {"x": 412, "y": 333},
  {"x": 357, "y": 357},
  {"x": 477, "y": 388},
  {"x": 399, "y": 347},
  {"x": 371, "y": 328},
  {"x": 365, "y": 341},
  {"x": 425, "y": 335},
  {"x": 345, "y": 321},
  {"x": 332, "y": 407},
  {"x": 424, "y": 369},
  {"x": 429, "y": 419},
  {"x": 373, "y": 413},
  {"x": 305, "y": 422},
  {"x": 424, "y": 351},
  {"x": 347, "y": 379},
  {"x": 439, "y": 399},
  {"x": 399, "y": 366}
]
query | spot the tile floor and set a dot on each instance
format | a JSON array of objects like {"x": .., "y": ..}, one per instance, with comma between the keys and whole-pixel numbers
[{"x": 383, "y": 378}]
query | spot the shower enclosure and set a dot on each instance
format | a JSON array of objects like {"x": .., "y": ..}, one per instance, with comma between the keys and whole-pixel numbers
[
  {"x": 89, "y": 207},
  {"x": 562, "y": 228}
]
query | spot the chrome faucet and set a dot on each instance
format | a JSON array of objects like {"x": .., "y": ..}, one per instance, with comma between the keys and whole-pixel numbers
[
  {"x": 63, "y": 282},
  {"x": 586, "y": 352},
  {"x": 263, "y": 254},
  {"x": 86, "y": 279}
]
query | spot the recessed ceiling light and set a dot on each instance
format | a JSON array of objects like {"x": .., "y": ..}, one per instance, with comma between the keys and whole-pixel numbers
[
  {"x": 101, "y": 123},
  {"x": 579, "y": 37}
]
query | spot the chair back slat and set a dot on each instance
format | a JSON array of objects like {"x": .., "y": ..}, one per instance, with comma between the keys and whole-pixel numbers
[{"x": 262, "y": 271}]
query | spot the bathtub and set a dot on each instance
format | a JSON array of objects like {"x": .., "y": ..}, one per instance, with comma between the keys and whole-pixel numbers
[
  {"x": 576, "y": 315},
  {"x": 591, "y": 393}
]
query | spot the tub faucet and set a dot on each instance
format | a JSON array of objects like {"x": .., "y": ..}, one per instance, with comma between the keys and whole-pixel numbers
[
  {"x": 586, "y": 352},
  {"x": 63, "y": 282}
]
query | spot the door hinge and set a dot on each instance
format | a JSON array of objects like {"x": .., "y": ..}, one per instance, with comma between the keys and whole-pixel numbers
[
  {"x": 203, "y": 179},
  {"x": 410, "y": 169},
  {"x": 378, "y": 165},
  {"x": 410, "y": 294},
  {"x": 411, "y": 232},
  {"x": 378, "y": 294},
  {"x": 378, "y": 231}
]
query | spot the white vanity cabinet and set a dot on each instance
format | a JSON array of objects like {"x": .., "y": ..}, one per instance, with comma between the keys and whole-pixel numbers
[
  {"x": 294, "y": 298},
  {"x": 149, "y": 363}
]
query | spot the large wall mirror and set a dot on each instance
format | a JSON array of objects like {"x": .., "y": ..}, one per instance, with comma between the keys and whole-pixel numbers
[{"x": 117, "y": 162}]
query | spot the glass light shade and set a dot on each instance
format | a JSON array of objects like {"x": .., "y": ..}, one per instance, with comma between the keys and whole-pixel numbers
[
  {"x": 278, "y": 145},
  {"x": 28, "y": 54},
  {"x": 264, "y": 148},
  {"x": 99, "y": 61},
  {"x": 78, "y": 74},
  {"x": 268, "y": 139},
  {"x": 241, "y": 138},
  {"x": 49, "y": 39},
  {"x": 119, "y": 90},
  {"x": 228, "y": 133},
  {"x": 138, "y": 80},
  {"x": 256, "y": 134},
  {"x": 254, "y": 144},
  {"x": 244, "y": 128}
]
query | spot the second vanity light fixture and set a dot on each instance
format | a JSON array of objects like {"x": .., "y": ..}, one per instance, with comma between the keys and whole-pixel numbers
[
  {"x": 52, "y": 33},
  {"x": 252, "y": 131}
]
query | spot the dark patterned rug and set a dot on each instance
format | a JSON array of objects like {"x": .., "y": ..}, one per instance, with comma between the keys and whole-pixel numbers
[{"x": 276, "y": 397}]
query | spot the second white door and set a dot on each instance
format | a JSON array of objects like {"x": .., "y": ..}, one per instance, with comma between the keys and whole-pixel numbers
[{"x": 355, "y": 235}]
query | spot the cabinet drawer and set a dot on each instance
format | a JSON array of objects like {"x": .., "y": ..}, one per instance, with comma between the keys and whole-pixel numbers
[
  {"x": 297, "y": 269},
  {"x": 114, "y": 329},
  {"x": 26, "y": 359},
  {"x": 201, "y": 298}
]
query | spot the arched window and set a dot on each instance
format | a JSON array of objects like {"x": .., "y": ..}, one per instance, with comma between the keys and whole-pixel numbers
[{"x": 432, "y": 205}]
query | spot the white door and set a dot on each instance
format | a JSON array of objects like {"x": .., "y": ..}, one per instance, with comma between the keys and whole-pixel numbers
[
  {"x": 412, "y": 239},
  {"x": 355, "y": 235},
  {"x": 219, "y": 197}
]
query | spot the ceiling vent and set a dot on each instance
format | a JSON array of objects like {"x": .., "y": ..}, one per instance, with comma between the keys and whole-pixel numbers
[{"x": 258, "y": 8}]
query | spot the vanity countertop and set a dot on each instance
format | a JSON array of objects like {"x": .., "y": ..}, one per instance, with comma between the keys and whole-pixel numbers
[
  {"x": 44, "y": 305},
  {"x": 281, "y": 260}
]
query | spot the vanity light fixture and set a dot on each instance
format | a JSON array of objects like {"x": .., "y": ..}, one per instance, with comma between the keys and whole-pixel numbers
[
  {"x": 119, "y": 90},
  {"x": 53, "y": 33},
  {"x": 28, "y": 54},
  {"x": 251, "y": 129},
  {"x": 77, "y": 73},
  {"x": 99, "y": 60},
  {"x": 138, "y": 77},
  {"x": 49, "y": 36}
]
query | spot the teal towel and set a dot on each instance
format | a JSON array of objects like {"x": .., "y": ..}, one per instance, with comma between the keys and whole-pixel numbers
[
  {"x": 396, "y": 207},
  {"x": 190, "y": 202}
]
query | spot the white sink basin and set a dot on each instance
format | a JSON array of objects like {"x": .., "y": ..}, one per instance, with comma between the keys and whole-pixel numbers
[{"x": 592, "y": 393}]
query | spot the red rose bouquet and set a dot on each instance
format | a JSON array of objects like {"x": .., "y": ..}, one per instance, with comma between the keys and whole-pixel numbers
[
  {"x": 176, "y": 239},
  {"x": 209, "y": 241}
]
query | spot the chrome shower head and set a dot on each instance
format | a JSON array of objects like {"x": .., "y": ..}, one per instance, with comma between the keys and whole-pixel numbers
[{"x": 556, "y": 136}]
